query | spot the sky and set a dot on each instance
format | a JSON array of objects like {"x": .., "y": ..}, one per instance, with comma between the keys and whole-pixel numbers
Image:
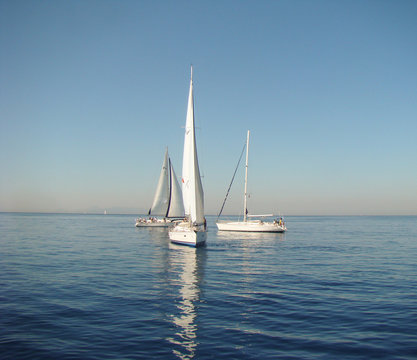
[{"x": 92, "y": 92}]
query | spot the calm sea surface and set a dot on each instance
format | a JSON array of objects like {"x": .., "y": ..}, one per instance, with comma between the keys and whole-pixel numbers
[{"x": 96, "y": 287}]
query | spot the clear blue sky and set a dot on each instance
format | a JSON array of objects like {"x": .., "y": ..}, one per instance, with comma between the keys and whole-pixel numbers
[{"x": 91, "y": 93}]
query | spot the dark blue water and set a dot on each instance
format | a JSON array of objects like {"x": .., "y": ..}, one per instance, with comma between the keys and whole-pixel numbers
[{"x": 96, "y": 287}]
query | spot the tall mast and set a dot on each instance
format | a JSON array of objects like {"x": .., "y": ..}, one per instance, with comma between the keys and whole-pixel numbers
[{"x": 246, "y": 180}]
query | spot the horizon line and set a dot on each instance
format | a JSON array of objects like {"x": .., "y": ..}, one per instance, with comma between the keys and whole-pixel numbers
[{"x": 211, "y": 215}]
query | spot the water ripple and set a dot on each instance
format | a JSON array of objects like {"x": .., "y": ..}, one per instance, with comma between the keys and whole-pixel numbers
[{"x": 95, "y": 287}]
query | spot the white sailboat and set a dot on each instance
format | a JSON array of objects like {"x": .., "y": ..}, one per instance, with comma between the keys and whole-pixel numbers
[
  {"x": 192, "y": 230},
  {"x": 256, "y": 225},
  {"x": 167, "y": 204}
]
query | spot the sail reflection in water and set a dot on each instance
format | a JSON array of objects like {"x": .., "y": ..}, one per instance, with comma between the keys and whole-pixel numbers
[{"x": 188, "y": 264}]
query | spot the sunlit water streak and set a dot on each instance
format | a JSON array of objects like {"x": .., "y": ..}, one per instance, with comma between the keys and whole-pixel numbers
[{"x": 96, "y": 287}]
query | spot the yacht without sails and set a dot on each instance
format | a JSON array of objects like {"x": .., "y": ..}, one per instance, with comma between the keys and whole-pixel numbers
[{"x": 251, "y": 223}]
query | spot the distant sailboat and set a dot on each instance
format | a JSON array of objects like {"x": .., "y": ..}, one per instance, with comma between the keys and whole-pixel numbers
[
  {"x": 167, "y": 203},
  {"x": 246, "y": 225},
  {"x": 192, "y": 230}
]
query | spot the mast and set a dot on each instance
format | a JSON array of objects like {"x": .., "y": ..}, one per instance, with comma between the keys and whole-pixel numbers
[
  {"x": 170, "y": 186},
  {"x": 245, "y": 210}
]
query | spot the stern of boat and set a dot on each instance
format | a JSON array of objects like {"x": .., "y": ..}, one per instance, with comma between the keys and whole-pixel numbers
[{"x": 187, "y": 236}]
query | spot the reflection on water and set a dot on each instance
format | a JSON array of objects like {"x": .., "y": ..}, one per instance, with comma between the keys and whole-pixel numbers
[
  {"x": 157, "y": 234},
  {"x": 186, "y": 263}
]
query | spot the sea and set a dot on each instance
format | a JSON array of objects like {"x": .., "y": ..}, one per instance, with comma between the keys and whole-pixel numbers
[{"x": 78, "y": 286}]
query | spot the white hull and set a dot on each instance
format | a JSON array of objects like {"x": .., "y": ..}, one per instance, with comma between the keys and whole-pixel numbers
[
  {"x": 251, "y": 226},
  {"x": 184, "y": 234},
  {"x": 153, "y": 223}
]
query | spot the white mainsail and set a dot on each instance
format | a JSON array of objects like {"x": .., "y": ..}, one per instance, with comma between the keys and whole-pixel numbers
[
  {"x": 161, "y": 198},
  {"x": 176, "y": 207},
  {"x": 192, "y": 189},
  {"x": 167, "y": 201}
]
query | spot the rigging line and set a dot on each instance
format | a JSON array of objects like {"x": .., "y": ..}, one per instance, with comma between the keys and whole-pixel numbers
[
  {"x": 227, "y": 194},
  {"x": 170, "y": 187}
]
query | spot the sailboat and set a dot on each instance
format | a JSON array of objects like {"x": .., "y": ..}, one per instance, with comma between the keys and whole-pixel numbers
[
  {"x": 256, "y": 225},
  {"x": 192, "y": 230},
  {"x": 167, "y": 204}
]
